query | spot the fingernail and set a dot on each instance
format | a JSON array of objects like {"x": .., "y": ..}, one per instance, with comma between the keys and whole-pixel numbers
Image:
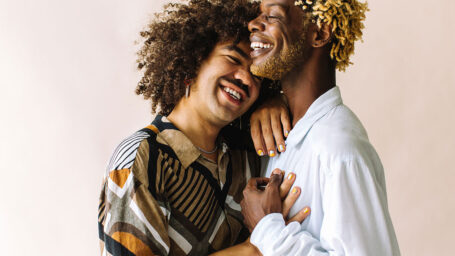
[
  {"x": 277, "y": 172},
  {"x": 281, "y": 148},
  {"x": 290, "y": 176},
  {"x": 272, "y": 153},
  {"x": 260, "y": 152},
  {"x": 286, "y": 133},
  {"x": 306, "y": 210},
  {"x": 294, "y": 190}
]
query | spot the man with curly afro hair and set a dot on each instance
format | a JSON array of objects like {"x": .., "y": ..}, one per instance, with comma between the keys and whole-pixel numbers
[
  {"x": 302, "y": 43},
  {"x": 174, "y": 187}
]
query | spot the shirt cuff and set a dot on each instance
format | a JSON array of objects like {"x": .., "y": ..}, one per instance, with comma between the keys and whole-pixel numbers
[{"x": 262, "y": 231}]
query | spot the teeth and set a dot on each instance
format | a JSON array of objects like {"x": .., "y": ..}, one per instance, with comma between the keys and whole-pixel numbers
[
  {"x": 233, "y": 93},
  {"x": 259, "y": 45}
]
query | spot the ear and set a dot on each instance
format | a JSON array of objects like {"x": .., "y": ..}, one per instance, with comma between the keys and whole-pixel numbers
[{"x": 321, "y": 36}]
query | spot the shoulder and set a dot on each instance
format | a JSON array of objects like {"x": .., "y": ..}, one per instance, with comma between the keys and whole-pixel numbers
[
  {"x": 126, "y": 151},
  {"x": 340, "y": 134}
]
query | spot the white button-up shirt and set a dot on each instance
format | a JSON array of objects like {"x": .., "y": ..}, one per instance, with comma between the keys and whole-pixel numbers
[{"x": 342, "y": 181}]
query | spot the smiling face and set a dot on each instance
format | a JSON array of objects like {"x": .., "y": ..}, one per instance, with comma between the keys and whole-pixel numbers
[
  {"x": 277, "y": 38},
  {"x": 225, "y": 88}
]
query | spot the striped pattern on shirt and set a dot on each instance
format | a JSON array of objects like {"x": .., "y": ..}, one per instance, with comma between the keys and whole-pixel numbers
[{"x": 162, "y": 197}]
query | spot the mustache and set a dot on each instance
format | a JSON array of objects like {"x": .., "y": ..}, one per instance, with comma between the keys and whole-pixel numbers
[{"x": 240, "y": 84}]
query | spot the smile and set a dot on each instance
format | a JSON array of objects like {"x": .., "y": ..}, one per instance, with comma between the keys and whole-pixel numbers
[
  {"x": 260, "y": 45},
  {"x": 232, "y": 93},
  {"x": 235, "y": 93}
]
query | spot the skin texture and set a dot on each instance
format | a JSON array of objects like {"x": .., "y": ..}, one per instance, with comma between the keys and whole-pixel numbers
[
  {"x": 178, "y": 40},
  {"x": 287, "y": 199},
  {"x": 208, "y": 107},
  {"x": 307, "y": 79},
  {"x": 270, "y": 124}
]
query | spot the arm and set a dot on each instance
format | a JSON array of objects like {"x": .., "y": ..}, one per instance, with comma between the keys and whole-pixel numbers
[
  {"x": 284, "y": 205},
  {"x": 270, "y": 124},
  {"x": 245, "y": 248},
  {"x": 355, "y": 221},
  {"x": 131, "y": 222}
]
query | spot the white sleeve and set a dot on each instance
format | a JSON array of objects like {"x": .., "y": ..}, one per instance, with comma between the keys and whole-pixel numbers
[{"x": 355, "y": 222}]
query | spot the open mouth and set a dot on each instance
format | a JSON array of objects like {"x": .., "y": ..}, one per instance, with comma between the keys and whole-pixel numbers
[
  {"x": 234, "y": 91},
  {"x": 260, "y": 48}
]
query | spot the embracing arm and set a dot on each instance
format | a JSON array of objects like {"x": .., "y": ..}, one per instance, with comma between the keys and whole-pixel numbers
[
  {"x": 356, "y": 219},
  {"x": 245, "y": 248},
  {"x": 270, "y": 124}
]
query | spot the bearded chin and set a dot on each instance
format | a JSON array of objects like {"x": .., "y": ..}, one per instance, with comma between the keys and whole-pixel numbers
[{"x": 277, "y": 66}]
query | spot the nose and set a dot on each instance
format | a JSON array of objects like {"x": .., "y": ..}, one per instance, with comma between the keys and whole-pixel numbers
[
  {"x": 245, "y": 77},
  {"x": 256, "y": 25}
]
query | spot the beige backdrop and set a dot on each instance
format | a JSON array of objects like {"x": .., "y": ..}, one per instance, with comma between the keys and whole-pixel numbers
[{"x": 67, "y": 77}]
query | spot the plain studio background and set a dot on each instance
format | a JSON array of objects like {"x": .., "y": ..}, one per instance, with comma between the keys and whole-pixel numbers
[{"x": 67, "y": 77}]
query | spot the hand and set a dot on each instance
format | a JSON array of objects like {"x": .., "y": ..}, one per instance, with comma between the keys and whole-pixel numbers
[
  {"x": 258, "y": 203},
  {"x": 270, "y": 123}
]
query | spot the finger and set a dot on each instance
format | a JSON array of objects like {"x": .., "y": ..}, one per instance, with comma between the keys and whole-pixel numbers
[
  {"x": 290, "y": 200},
  {"x": 286, "y": 185},
  {"x": 286, "y": 122},
  {"x": 301, "y": 215},
  {"x": 255, "y": 182},
  {"x": 267, "y": 135},
  {"x": 278, "y": 132},
  {"x": 275, "y": 179},
  {"x": 256, "y": 136}
]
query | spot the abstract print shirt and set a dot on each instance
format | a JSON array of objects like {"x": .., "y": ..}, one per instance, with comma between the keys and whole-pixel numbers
[{"x": 162, "y": 197}]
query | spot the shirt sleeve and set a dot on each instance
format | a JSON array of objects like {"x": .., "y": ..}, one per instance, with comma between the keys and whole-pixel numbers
[
  {"x": 356, "y": 219},
  {"x": 131, "y": 221}
]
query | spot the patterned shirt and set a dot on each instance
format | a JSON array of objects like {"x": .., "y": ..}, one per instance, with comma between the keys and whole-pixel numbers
[{"x": 162, "y": 197}]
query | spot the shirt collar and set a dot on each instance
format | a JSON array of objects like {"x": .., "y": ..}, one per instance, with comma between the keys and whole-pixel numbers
[
  {"x": 185, "y": 150},
  {"x": 320, "y": 107}
]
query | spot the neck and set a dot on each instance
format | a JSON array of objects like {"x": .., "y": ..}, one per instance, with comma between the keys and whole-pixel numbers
[
  {"x": 198, "y": 129},
  {"x": 305, "y": 83}
]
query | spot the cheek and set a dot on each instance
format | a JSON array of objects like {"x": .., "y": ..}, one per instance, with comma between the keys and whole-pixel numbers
[{"x": 255, "y": 93}]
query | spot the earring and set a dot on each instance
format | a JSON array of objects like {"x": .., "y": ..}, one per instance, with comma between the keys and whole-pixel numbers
[{"x": 187, "y": 87}]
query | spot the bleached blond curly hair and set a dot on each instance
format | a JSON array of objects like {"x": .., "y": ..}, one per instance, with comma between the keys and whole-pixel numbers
[{"x": 346, "y": 18}]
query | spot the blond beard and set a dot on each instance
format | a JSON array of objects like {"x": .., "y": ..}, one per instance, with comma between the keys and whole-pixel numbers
[{"x": 276, "y": 67}]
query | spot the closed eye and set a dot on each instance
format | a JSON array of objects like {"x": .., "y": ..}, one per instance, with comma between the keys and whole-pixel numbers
[
  {"x": 271, "y": 17},
  {"x": 234, "y": 60}
]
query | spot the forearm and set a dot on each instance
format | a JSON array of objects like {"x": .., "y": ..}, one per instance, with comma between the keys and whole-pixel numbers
[{"x": 245, "y": 248}]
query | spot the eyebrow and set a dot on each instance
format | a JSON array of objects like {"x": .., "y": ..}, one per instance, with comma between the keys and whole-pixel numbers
[
  {"x": 283, "y": 6},
  {"x": 238, "y": 50}
]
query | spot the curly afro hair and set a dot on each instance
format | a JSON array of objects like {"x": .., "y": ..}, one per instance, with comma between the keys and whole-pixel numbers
[{"x": 180, "y": 38}]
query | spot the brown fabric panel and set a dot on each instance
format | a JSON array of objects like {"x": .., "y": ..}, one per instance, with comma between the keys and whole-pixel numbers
[
  {"x": 235, "y": 228},
  {"x": 152, "y": 212},
  {"x": 159, "y": 174},
  {"x": 222, "y": 240},
  {"x": 189, "y": 226},
  {"x": 175, "y": 249},
  {"x": 140, "y": 166},
  {"x": 181, "y": 145},
  {"x": 210, "y": 215}
]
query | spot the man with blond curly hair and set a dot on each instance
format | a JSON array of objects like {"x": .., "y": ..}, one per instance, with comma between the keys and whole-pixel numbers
[{"x": 302, "y": 43}]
